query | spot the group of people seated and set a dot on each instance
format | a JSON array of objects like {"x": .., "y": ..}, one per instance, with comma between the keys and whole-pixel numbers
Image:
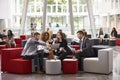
[
  {"x": 113, "y": 33},
  {"x": 7, "y": 39},
  {"x": 41, "y": 46}
]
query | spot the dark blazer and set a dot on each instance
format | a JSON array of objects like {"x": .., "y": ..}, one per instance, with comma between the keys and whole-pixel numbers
[
  {"x": 114, "y": 33},
  {"x": 87, "y": 47},
  {"x": 63, "y": 44}
]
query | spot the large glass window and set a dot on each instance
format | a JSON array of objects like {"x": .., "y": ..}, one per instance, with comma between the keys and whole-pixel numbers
[{"x": 57, "y": 15}]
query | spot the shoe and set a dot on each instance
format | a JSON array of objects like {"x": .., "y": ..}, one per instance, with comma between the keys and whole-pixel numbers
[{"x": 40, "y": 72}]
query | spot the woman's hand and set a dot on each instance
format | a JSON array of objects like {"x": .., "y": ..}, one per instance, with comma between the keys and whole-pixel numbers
[{"x": 62, "y": 49}]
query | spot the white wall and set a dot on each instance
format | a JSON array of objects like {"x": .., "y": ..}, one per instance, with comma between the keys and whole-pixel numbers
[{"x": 5, "y": 9}]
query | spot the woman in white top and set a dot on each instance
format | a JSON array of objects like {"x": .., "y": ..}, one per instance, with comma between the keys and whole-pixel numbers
[{"x": 100, "y": 33}]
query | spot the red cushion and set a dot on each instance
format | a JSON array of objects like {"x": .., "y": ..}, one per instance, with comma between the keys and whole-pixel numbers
[
  {"x": 117, "y": 41},
  {"x": 70, "y": 66},
  {"x": 2, "y": 47},
  {"x": 7, "y": 55},
  {"x": 18, "y": 42},
  {"x": 77, "y": 47},
  {"x": 23, "y": 37},
  {"x": 18, "y": 45},
  {"x": 20, "y": 66}
]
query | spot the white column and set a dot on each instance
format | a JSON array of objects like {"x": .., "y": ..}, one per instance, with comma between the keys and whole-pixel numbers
[
  {"x": 44, "y": 15},
  {"x": 56, "y": 6},
  {"x": 71, "y": 17},
  {"x": 115, "y": 20},
  {"x": 83, "y": 22},
  {"x": 108, "y": 23},
  {"x": 13, "y": 11},
  {"x": 67, "y": 16},
  {"x": 17, "y": 6},
  {"x": 114, "y": 4},
  {"x": 24, "y": 13},
  {"x": 118, "y": 3},
  {"x": 91, "y": 17},
  {"x": 34, "y": 6},
  {"x": 2, "y": 24},
  {"x": 78, "y": 2}
]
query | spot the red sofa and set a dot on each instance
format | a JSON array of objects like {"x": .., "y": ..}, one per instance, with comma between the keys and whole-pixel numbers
[
  {"x": 18, "y": 42},
  {"x": 2, "y": 47},
  {"x": 23, "y": 37},
  {"x": 118, "y": 41},
  {"x": 11, "y": 61}
]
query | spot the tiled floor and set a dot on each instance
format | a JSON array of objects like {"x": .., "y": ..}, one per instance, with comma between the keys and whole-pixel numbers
[{"x": 79, "y": 76}]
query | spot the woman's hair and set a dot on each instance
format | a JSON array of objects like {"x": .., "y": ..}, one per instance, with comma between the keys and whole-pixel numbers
[
  {"x": 44, "y": 34},
  {"x": 101, "y": 29},
  {"x": 114, "y": 29},
  {"x": 62, "y": 37},
  {"x": 10, "y": 33}
]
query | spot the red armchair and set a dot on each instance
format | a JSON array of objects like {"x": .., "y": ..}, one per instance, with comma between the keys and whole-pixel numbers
[
  {"x": 2, "y": 47},
  {"x": 118, "y": 41},
  {"x": 11, "y": 61},
  {"x": 18, "y": 42},
  {"x": 23, "y": 37}
]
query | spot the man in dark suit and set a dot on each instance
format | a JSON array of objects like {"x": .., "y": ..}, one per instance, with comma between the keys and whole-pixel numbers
[{"x": 85, "y": 48}]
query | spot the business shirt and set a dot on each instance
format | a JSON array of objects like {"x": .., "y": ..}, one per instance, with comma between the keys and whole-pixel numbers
[{"x": 31, "y": 46}]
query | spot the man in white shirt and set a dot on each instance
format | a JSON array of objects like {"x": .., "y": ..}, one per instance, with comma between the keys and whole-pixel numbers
[{"x": 34, "y": 49}]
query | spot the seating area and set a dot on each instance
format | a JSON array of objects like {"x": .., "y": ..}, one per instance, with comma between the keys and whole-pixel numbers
[
  {"x": 11, "y": 61},
  {"x": 102, "y": 63},
  {"x": 59, "y": 39}
]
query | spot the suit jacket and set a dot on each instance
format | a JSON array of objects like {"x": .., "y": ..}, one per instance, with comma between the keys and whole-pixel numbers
[
  {"x": 114, "y": 33},
  {"x": 63, "y": 44},
  {"x": 87, "y": 47}
]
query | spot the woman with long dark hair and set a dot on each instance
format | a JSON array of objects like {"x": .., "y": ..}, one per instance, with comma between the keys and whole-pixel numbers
[
  {"x": 114, "y": 32},
  {"x": 63, "y": 50},
  {"x": 10, "y": 39}
]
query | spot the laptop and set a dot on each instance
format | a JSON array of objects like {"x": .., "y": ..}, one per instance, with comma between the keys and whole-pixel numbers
[
  {"x": 55, "y": 46},
  {"x": 69, "y": 40}
]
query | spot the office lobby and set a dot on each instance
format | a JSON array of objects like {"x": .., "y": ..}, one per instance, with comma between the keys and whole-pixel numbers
[{"x": 59, "y": 40}]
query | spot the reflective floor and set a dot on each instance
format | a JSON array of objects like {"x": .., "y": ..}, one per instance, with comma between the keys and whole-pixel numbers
[
  {"x": 79, "y": 76},
  {"x": 41, "y": 76}
]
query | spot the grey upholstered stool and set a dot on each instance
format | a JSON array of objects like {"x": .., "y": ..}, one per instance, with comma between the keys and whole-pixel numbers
[{"x": 53, "y": 66}]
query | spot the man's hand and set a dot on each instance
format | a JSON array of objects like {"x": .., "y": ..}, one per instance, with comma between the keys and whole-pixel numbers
[{"x": 77, "y": 51}]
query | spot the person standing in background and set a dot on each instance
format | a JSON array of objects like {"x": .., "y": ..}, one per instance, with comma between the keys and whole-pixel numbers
[
  {"x": 50, "y": 33},
  {"x": 32, "y": 32}
]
